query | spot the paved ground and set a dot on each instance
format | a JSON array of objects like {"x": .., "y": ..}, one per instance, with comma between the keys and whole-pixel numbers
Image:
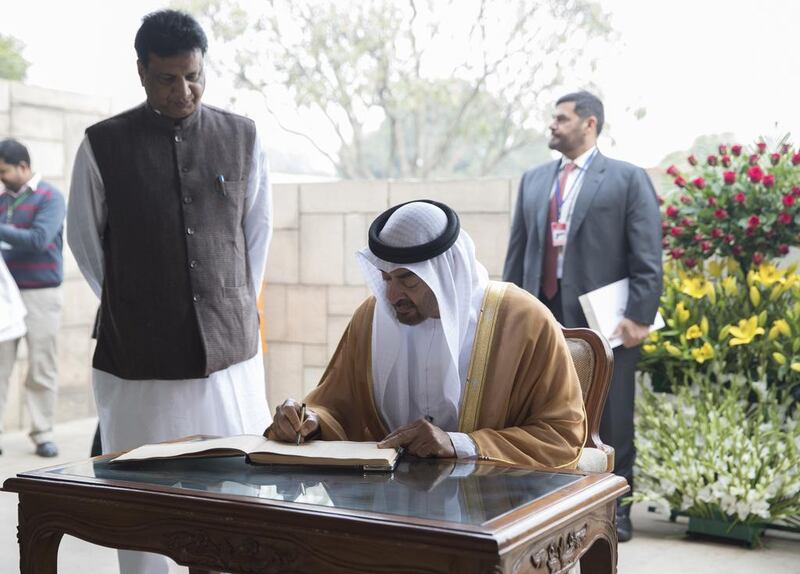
[{"x": 658, "y": 547}]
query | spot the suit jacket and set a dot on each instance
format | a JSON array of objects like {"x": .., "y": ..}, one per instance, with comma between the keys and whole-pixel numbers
[{"x": 614, "y": 232}]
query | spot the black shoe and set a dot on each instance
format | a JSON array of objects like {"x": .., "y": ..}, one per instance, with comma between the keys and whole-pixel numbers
[
  {"x": 47, "y": 449},
  {"x": 624, "y": 527}
]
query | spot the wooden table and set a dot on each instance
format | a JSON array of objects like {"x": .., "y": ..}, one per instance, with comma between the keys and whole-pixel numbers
[{"x": 224, "y": 514}]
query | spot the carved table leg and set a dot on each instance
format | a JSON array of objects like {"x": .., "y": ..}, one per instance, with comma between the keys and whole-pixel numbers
[
  {"x": 201, "y": 571},
  {"x": 600, "y": 558},
  {"x": 38, "y": 552}
]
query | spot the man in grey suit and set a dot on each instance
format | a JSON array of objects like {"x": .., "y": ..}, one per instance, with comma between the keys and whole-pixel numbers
[{"x": 582, "y": 222}]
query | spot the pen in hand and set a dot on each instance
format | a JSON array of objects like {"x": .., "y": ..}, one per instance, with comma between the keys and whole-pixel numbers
[{"x": 302, "y": 420}]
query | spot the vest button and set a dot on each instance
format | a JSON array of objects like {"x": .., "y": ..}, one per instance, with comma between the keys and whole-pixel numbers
[
  {"x": 178, "y": 139},
  {"x": 192, "y": 264},
  {"x": 195, "y": 297},
  {"x": 184, "y": 169},
  {"x": 190, "y": 231},
  {"x": 187, "y": 199}
]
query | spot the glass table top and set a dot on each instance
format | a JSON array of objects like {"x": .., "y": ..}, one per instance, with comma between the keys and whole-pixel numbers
[{"x": 434, "y": 489}]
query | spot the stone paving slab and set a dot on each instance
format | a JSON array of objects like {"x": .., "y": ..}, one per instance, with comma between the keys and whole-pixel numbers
[{"x": 658, "y": 546}]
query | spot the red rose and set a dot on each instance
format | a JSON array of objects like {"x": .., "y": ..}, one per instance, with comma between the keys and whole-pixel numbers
[
  {"x": 677, "y": 252},
  {"x": 686, "y": 222},
  {"x": 699, "y": 182},
  {"x": 762, "y": 146},
  {"x": 753, "y": 221},
  {"x": 757, "y": 258},
  {"x": 673, "y": 170},
  {"x": 711, "y": 160},
  {"x": 705, "y": 246},
  {"x": 721, "y": 214},
  {"x": 755, "y": 174},
  {"x": 726, "y": 160},
  {"x": 690, "y": 262},
  {"x": 697, "y": 237},
  {"x": 737, "y": 250},
  {"x": 686, "y": 200},
  {"x": 723, "y": 149},
  {"x": 676, "y": 231},
  {"x": 739, "y": 197},
  {"x": 749, "y": 231},
  {"x": 796, "y": 191},
  {"x": 680, "y": 182},
  {"x": 774, "y": 158},
  {"x": 785, "y": 218},
  {"x": 672, "y": 211},
  {"x": 753, "y": 159},
  {"x": 729, "y": 177},
  {"x": 728, "y": 238},
  {"x": 783, "y": 249},
  {"x": 769, "y": 180},
  {"x": 716, "y": 233},
  {"x": 692, "y": 160},
  {"x": 795, "y": 158},
  {"x": 788, "y": 200},
  {"x": 712, "y": 201},
  {"x": 736, "y": 150}
]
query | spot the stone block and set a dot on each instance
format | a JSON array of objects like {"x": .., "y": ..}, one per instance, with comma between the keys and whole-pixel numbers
[
  {"x": 15, "y": 403},
  {"x": 283, "y": 261},
  {"x": 285, "y": 373},
  {"x": 295, "y": 314},
  {"x": 345, "y": 300},
  {"x": 321, "y": 249},
  {"x": 5, "y": 125},
  {"x": 80, "y": 304},
  {"x": 345, "y": 196},
  {"x": 356, "y": 227},
  {"x": 468, "y": 195},
  {"x": 75, "y": 350},
  {"x": 47, "y": 157},
  {"x": 285, "y": 206},
  {"x": 490, "y": 233},
  {"x": 22, "y": 94},
  {"x": 75, "y": 125},
  {"x": 336, "y": 328},
  {"x": 311, "y": 378},
  {"x": 5, "y": 96},
  {"x": 75, "y": 403},
  {"x": 39, "y": 123},
  {"x": 315, "y": 355}
]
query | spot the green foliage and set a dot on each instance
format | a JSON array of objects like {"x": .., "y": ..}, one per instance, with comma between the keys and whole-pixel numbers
[
  {"x": 12, "y": 65},
  {"x": 387, "y": 81}
]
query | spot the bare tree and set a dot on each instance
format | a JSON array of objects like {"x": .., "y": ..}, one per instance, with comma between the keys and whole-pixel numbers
[{"x": 451, "y": 84}]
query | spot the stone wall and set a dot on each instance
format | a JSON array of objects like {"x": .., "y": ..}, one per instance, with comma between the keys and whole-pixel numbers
[
  {"x": 51, "y": 124},
  {"x": 313, "y": 283}
]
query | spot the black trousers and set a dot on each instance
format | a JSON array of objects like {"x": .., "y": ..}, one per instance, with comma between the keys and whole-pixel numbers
[{"x": 616, "y": 424}]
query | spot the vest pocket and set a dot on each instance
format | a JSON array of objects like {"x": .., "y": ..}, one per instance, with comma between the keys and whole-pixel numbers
[
  {"x": 236, "y": 292},
  {"x": 233, "y": 188}
]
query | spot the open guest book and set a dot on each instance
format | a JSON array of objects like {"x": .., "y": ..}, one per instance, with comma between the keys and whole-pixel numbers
[{"x": 260, "y": 450}]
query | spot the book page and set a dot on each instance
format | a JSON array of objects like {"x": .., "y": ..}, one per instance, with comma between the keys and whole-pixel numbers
[{"x": 241, "y": 444}]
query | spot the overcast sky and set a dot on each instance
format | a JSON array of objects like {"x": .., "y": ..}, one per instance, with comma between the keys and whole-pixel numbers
[{"x": 697, "y": 67}]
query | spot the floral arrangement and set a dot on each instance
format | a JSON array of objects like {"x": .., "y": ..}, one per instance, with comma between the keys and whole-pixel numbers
[
  {"x": 741, "y": 203},
  {"x": 720, "y": 450},
  {"x": 720, "y": 319}
]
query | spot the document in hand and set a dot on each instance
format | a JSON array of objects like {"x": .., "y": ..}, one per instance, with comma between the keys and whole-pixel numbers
[
  {"x": 605, "y": 308},
  {"x": 260, "y": 450}
]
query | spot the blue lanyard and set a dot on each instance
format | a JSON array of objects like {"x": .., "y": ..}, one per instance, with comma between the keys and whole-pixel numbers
[{"x": 573, "y": 187}]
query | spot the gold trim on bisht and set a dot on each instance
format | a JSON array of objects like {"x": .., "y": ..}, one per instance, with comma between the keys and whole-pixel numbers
[{"x": 476, "y": 375}]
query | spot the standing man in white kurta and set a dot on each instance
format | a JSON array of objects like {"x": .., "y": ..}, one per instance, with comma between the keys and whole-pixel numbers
[{"x": 169, "y": 220}]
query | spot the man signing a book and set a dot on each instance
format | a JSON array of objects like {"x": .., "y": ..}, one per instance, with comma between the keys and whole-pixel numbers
[{"x": 441, "y": 360}]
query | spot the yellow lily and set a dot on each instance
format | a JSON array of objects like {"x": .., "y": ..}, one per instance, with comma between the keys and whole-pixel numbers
[
  {"x": 768, "y": 274},
  {"x": 704, "y": 325},
  {"x": 729, "y": 286},
  {"x": 779, "y": 327},
  {"x": 697, "y": 287},
  {"x": 715, "y": 268},
  {"x": 795, "y": 367},
  {"x": 649, "y": 348},
  {"x": 703, "y": 353},
  {"x": 672, "y": 349},
  {"x": 682, "y": 313},
  {"x": 755, "y": 296},
  {"x": 745, "y": 331},
  {"x": 694, "y": 332},
  {"x": 779, "y": 358}
]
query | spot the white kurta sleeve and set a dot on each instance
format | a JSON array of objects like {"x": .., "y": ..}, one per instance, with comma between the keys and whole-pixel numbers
[
  {"x": 258, "y": 215},
  {"x": 87, "y": 216},
  {"x": 463, "y": 445}
]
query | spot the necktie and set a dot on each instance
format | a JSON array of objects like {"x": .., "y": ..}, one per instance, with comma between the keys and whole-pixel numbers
[{"x": 550, "y": 271}]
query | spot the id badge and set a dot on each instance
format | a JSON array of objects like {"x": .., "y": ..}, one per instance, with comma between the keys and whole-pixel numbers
[{"x": 558, "y": 231}]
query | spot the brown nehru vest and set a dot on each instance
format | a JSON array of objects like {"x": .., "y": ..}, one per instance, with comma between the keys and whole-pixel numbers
[{"x": 177, "y": 301}]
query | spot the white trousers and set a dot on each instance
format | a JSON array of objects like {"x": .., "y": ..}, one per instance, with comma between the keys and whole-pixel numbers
[
  {"x": 41, "y": 382},
  {"x": 133, "y": 413}
]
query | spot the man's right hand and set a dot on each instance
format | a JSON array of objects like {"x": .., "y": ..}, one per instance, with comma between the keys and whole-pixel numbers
[{"x": 286, "y": 423}]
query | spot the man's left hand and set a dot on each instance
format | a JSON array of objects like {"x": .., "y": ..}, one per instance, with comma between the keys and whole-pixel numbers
[
  {"x": 421, "y": 438},
  {"x": 632, "y": 333}
]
